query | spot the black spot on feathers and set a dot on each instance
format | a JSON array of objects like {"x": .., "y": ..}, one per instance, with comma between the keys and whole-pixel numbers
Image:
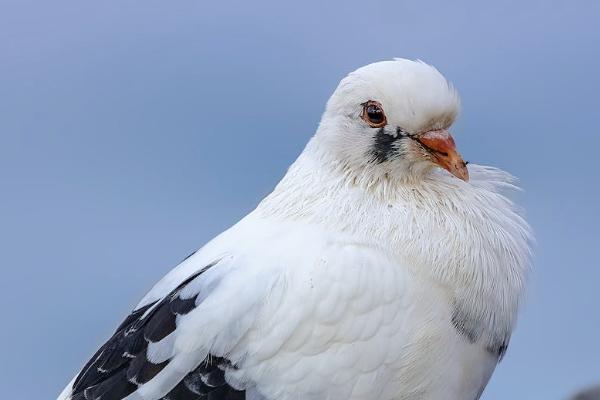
[
  {"x": 384, "y": 145},
  {"x": 472, "y": 329},
  {"x": 207, "y": 381}
]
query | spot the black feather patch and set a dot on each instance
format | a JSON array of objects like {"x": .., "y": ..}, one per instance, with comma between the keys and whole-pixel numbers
[
  {"x": 141, "y": 370},
  {"x": 207, "y": 381},
  {"x": 471, "y": 329},
  {"x": 121, "y": 365},
  {"x": 108, "y": 358},
  {"x": 78, "y": 396},
  {"x": 161, "y": 324},
  {"x": 384, "y": 145},
  {"x": 183, "y": 306},
  {"x": 116, "y": 387}
]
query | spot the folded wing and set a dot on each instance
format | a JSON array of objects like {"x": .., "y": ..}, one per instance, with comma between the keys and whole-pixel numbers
[{"x": 144, "y": 359}]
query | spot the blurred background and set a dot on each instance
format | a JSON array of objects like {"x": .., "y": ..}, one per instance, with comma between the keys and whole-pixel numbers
[{"x": 131, "y": 132}]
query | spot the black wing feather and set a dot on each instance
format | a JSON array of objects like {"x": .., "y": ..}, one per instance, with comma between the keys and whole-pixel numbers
[
  {"x": 141, "y": 370},
  {"x": 115, "y": 387},
  {"x": 160, "y": 325},
  {"x": 121, "y": 365}
]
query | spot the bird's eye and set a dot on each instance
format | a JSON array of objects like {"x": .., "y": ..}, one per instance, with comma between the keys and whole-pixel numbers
[{"x": 373, "y": 114}]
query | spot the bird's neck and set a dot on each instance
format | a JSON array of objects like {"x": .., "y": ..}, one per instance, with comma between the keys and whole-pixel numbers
[{"x": 466, "y": 236}]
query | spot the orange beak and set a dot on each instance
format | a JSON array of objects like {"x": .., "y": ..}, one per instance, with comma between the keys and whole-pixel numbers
[{"x": 443, "y": 149}]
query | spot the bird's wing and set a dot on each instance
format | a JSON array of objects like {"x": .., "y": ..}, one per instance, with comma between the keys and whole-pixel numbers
[{"x": 154, "y": 354}]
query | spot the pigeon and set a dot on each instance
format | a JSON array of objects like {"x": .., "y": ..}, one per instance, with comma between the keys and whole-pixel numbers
[{"x": 381, "y": 266}]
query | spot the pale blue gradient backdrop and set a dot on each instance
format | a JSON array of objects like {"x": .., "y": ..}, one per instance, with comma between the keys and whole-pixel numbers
[{"x": 131, "y": 132}]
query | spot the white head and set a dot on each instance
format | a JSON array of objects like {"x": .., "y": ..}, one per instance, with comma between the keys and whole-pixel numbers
[{"x": 392, "y": 118}]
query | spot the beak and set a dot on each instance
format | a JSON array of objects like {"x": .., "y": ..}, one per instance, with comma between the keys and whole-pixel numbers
[{"x": 441, "y": 146}]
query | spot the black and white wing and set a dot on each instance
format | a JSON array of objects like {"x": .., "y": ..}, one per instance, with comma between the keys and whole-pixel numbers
[{"x": 160, "y": 351}]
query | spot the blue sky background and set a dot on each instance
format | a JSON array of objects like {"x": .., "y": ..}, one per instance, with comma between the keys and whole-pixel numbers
[{"x": 131, "y": 132}]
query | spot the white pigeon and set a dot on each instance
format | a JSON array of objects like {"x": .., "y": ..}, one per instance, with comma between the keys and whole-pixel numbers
[{"x": 368, "y": 273}]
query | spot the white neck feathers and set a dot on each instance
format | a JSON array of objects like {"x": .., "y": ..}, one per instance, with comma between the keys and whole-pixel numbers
[{"x": 467, "y": 236}]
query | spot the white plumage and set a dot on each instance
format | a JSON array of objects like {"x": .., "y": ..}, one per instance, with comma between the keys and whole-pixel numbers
[{"x": 368, "y": 273}]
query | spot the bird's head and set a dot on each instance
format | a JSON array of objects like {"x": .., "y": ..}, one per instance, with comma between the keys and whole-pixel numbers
[{"x": 393, "y": 116}]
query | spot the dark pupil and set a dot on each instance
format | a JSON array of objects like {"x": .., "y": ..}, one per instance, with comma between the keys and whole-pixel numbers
[{"x": 375, "y": 114}]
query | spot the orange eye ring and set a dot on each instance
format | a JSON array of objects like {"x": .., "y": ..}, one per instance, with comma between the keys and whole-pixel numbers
[{"x": 373, "y": 114}]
